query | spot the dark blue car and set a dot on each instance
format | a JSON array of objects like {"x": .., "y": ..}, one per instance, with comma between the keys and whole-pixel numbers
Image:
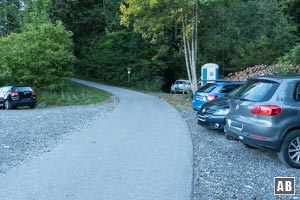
[
  {"x": 212, "y": 114},
  {"x": 212, "y": 91}
]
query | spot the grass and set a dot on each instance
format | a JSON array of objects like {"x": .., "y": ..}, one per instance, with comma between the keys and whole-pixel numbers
[
  {"x": 71, "y": 94},
  {"x": 175, "y": 99}
]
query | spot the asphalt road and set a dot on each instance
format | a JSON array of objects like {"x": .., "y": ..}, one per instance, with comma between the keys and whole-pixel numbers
[{"x": 141, "y": 150}]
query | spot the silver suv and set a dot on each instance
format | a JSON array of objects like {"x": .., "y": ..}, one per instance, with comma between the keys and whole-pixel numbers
[
  {"x": 265, "y": 112},
  {"x": 180, "y": 86}
]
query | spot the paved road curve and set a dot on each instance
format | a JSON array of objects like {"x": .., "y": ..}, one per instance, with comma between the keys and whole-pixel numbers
[{"x": 141, "y": 151}]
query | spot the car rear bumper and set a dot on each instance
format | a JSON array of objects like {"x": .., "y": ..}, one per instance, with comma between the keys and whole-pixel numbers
[
  {"x": 252, "y": 139},
  {"x": 211, "y": 121},
  {"x": 23, "y": 103}
]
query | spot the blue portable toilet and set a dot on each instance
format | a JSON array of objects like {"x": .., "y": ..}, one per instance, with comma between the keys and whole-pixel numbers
[{"x": 209, "y": 73}]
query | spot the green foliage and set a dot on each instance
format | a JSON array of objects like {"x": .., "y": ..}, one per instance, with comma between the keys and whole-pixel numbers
[
  {"x": 238, "y": 34},
  {"x": 87, "y": 19},
  {"x": 71, "y": 94},
  {"x": 291, "y": 9},
  {"x": 36, "y": 12},
  {"x": 40, "y": 56},
  {"x": 234, "y": 34},
  {"x": 9, "y": 16},
  {"x": 287, "y": 63},
  {"x": 107, "y": 59}
]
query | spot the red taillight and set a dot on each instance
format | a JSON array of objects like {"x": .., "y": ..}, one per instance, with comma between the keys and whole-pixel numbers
[
  {"x": 259, "y": 137},
  {"x": 14, "y": 94},
  {"x": 211, "y": 97},
  {"x": 266, "y": 110},
  {"x": 33, "y": 93}
]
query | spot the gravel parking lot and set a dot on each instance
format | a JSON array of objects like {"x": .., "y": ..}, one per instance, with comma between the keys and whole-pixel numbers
[
  {"x": 226, "y": 169},
  {"x": 25, "y": 133}
]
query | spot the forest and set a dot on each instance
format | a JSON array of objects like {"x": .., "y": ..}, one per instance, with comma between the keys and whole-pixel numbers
[{"x": 43, "y": 42}]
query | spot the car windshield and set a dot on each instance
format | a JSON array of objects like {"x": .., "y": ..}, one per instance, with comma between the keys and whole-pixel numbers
[
  {"x": 257, "y": 90},
  {"x": 207, "y": 88}
]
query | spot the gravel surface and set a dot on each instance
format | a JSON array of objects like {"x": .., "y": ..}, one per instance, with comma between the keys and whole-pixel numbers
[
  {"x": 26, "y": 133},
  {"x": 226, "y": 169}
]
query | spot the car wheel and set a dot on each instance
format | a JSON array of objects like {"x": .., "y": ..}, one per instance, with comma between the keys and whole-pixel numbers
[
  {"x": 7, "y": 105},
  {"x": 32, "y": 106},
  {"x": 290, "y": 149}
]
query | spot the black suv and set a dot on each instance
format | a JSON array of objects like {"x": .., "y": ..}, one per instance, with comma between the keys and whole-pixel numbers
[
  {"x": 265, "y": 112},
  {"x": 14, "y": 96}
]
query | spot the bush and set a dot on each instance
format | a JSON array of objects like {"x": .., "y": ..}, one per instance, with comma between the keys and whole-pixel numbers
[
  {"x": 287, "y": 63},
  {"x": 40, "y": 56}
]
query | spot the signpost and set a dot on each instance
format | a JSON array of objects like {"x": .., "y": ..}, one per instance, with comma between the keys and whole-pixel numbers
[{"x": 128, "y": 72}]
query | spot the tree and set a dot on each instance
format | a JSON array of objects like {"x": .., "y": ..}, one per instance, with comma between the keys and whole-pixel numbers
[
  {"x": 190, "y": 44},
  {"x": 291, "y": 9},
  {"x": 35, "y": 12},
  {"x": 107, "y": 60},
  {"x": 153, "y": 18},
  {"x": 9, "y": 16},
  {"x": 40, "y": 56},
  {"x": 85, "y": 18},
  {"x": 239, "y": 34}
]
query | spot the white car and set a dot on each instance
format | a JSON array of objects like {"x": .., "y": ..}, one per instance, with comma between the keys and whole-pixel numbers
[{"x": 180, "y": 86}]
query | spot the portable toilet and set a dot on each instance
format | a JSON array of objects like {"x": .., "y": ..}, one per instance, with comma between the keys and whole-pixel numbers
[{"x": 209, "y": 73}]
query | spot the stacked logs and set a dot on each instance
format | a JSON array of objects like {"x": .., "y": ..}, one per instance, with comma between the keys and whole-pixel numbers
[{"x": 257, "y": 70}]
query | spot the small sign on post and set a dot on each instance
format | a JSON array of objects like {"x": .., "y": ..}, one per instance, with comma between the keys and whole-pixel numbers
[{"x": 128, "y": 72}]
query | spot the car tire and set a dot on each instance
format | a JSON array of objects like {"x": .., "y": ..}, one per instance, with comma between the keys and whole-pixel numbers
[
  {"x": 32, "y": 106},
  {"x": 289, "y": 153},
  {"x": 7, "y": 105}
]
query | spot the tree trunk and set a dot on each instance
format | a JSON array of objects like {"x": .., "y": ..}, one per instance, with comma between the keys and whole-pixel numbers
[{"x": 190, "y": 47}]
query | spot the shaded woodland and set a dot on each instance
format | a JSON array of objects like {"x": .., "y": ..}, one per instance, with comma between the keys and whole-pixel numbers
[{"x": 45, "y": 41}]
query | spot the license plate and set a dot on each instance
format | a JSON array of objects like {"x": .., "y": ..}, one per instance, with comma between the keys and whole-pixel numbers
[
  {"x": 26, "y": 99},
  {"x": 235, "y": 125}
]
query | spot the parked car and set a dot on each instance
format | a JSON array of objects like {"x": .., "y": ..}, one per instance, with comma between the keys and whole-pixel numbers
[
  {"x": 266, "y": 113},
  {"x": 180, "y": 86},
  {"x": 212, "y": 91},
  {"x": 212, "y": 114},
  {"x": 14, "y": 96}
]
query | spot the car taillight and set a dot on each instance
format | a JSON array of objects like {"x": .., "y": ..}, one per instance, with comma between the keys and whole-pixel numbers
[
  {"x": 33, "y": 93},
  {"x": 211, "y": 97},
  {"x": 258, "y": 137},
  {"x": 266, "y": 110},
  {"x": 14, "y": 94}
]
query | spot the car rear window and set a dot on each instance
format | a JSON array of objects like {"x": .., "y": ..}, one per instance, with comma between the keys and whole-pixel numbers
[
  {"x": 21, "y": 89},
  {"x": 179, "y": 82},
  {"x": 207, "y": 88},
  {"x": 257, "y": 90}
]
